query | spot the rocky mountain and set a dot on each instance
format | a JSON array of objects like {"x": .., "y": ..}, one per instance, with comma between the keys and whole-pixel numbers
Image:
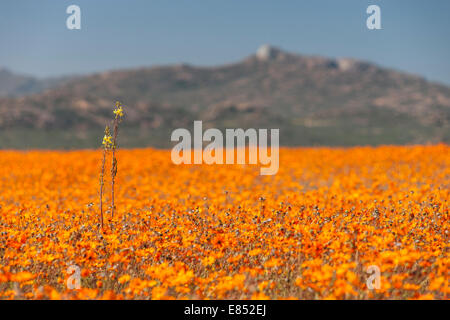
[{"x": 313, "y": 100}]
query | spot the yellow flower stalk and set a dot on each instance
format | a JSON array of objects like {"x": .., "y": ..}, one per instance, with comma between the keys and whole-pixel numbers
[
  {"x": 118, "y": 114},
  {"x": 109, "y": 143}
]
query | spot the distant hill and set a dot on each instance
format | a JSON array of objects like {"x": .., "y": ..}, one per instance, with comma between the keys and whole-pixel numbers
[
  {"x": 13, "y": 84},
  {"x": 313, "y": 100}
]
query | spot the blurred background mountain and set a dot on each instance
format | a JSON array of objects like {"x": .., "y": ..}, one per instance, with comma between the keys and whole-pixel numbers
[
  {"x": 313, "y": 100},
  {"x": 12, "y": 84}
]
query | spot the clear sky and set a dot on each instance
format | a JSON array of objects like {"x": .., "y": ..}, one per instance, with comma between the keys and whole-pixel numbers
[{"x": 415, "y": 35}]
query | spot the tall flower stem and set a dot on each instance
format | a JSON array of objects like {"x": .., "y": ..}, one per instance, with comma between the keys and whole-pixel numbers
[
  {"x": 114, "y": 163},
  {"x": 118, "y": 114},
  {"x": 102, "y": 174},
  {"x": 106, "y": 146}
]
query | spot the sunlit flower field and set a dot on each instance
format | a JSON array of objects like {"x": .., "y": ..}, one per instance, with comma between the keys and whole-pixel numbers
[{"x": 224, "y": 231}]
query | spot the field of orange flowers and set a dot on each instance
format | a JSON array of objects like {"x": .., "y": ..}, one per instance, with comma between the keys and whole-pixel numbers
[{"x": 225, "y": 232}]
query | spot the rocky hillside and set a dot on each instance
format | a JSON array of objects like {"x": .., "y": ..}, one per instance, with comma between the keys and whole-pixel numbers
[{"x": 313, "y": 100}]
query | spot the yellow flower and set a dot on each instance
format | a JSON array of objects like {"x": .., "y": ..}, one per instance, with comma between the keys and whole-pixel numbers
[
  {"x": 119, "y": 111},
  {"x": 107, "y": 141}
]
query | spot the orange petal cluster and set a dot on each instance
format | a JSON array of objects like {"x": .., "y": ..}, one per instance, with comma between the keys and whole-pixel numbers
[{"x": 224, "y": 231}]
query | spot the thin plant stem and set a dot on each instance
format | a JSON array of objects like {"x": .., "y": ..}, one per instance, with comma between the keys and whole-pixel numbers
[
  {"x": 114, "y": 163},
  {"x": 106, "y": 146},
  {"x": 102, "y": 174}
]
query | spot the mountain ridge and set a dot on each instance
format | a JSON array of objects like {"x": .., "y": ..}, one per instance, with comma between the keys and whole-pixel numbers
[
  {"x": 14, "y": 84},
  {"x": 314, "y": 100}
]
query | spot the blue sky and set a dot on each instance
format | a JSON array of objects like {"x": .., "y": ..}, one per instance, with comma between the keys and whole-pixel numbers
[{"x": 415, "y": 35}]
